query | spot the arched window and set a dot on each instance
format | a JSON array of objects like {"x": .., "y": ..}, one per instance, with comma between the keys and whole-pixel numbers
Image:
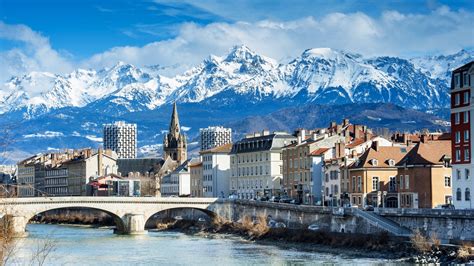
[
  {"x": 458, "y": 194},
  {"x": 467, "y": 194}
]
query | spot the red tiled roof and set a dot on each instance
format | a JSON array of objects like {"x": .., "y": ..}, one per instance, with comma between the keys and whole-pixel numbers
[{"x": 319, "y": 151}]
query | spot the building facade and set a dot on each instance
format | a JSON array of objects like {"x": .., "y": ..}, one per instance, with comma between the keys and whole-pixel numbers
[
  {"x": 195, "y": 170},
  {"x": 121, "y": 138},
  {"x": 257, "y": 165},
  {"x": 177, "y": 183},
  {"x": 174, "y": 143},
  {"x": 212, "y": 137},
  {"x": 461, "y": 134},
  {"x": 216, "y": 171},
  {"x": 63, "y": 174}
]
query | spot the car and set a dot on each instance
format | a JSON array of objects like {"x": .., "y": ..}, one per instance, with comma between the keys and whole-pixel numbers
[
  {"x": 285, "y": 200},
  {"x": 274, "y": 199},
  {"x": 295, "y": 201},
  {"x": 313, "y": 227},
  {"x": 264, "y": 198},
  {"x": 233, "y": 197},
  {"x": 369, "y": 208},
  {"x": 178, "y": 218},
  {"x": 448, "y": 206}
]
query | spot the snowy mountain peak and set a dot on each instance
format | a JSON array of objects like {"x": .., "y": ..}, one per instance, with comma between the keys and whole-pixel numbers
[{"x": 321, "y": 75}]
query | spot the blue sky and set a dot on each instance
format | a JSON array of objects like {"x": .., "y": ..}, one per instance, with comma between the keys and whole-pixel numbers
[{"x": 58, "y": 36}]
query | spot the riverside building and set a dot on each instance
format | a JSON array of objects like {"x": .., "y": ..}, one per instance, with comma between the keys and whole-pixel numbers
[
  {"x": 256, "y": 164},
  {"x": 461, "y": 135}
]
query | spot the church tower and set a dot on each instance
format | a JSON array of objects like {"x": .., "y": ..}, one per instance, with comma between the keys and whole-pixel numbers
[{"x": 174, "y": 143}]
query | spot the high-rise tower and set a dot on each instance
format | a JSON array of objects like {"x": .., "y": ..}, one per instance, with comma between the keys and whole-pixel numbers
[{"x": 174, "y": 143}]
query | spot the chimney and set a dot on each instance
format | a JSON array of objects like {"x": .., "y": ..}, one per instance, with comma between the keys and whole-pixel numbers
[
  {"x": 354, "y": 153},
  {"x": 338, "y": 129},
  {"x": 340, "y": 149},
  {"x": 303, "y": 134},
  {"x": 332, "y": 124},
  {"x": 265, "y": 132},
  {"x": 366, "y": 136},
  {"x": 299, "y": 140},
  {"x": 345, "y": 122},
  {"x": 423, "y": 138},
  {"x": 99, "y": 162},
  {"x": 357, "y": 131},
  {"x": 375, "y": 145},
  {"x": 256, "y": 134},
  {"x": 315, "y": 136}
]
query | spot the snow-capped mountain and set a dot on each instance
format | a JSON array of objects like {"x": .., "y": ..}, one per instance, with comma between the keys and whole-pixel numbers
[
  {"x": 49, "y": 111},
  {"x": 320, "y": 75}
]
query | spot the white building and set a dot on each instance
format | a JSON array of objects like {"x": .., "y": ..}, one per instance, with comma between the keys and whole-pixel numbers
[
  {"x": 177, "y": 183},
  {"x": 121, "y": 138},
  {"x": 256, "y": 164},
  {"x": 216, "y": 171},
  {"x": 461, "y": 135},
  {"x": 212, "y": 137}
]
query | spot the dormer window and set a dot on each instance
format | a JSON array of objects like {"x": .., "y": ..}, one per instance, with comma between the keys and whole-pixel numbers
[
  {"x": 374, "y": 162},
  {"x": 391, "y": 162}
]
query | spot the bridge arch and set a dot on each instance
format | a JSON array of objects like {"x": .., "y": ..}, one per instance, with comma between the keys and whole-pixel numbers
[
  {"x": 195, "y": 211},
  {"x": 120, "y": 226}
]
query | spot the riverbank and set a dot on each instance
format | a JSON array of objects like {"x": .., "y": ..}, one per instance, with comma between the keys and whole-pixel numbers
[{"x": 379, "y": 246}]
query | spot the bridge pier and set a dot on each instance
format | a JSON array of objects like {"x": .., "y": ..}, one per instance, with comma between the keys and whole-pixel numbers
[
  {"x": 134, "y": 224},
  {"x": 18, "y": 225}
]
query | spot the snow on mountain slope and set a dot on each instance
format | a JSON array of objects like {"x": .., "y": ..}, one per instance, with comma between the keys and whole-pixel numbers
[
  {"x": 440, "y": 66},
  {"x": 320, "y": 75}
]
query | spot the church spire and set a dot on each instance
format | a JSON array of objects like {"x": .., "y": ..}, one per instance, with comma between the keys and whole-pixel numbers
[{"x": 174, "y": 125}]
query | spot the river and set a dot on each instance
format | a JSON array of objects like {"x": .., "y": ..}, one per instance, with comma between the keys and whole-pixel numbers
[{"x": 92, "y": 246}]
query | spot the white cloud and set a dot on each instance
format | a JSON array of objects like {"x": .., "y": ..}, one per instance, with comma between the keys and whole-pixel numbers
[
  {"x": 46, "y": 134},
  {"x": 35, "y": 53},
  {"x": 392, "y": 33}
]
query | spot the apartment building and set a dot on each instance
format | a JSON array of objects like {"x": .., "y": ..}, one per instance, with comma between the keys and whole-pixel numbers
[
  {"x": 196, "y": 174},
  {"x": 121, "y": 138},
  {"x": 416, "y": 176},
  {"x": 216, "y": 171},
  {"x": 461, "y": 134},
  {"x": 177, "y": 183},
  {"x": 257, "y": 164},
  {"x": 63, "y": 174},
  {"x": 212, "y": 137}
]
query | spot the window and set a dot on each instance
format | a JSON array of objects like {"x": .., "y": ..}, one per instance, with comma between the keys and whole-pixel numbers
[
  {"x": 375, "y": 183},
  {"x": 359, "y": 184},
  {"x": 457, "y": 137},
  {"x": 392, "y": 185},
  {"x": 457, "y": 99},
  {"x": 375, "y": 162},
  {"x": 467, "y": 173},
  {"x": 391, "y": 162},
  {"x": 466, "y": 154},
  {"x": 447, "y": 181},
  {"x": 466, "y": 97},
  {"x": 465, "y": 78},
  {"x": 353, "y": 183},
  {"x": 457, "y": 118},
  {"x": 402, "y": 184},
  {"x": 458, "y": 174},
  {"x": 407, "y": 181},
  {"x": 467, "y": 194},
  {"x": 465, "y": 117},
  {"x": 458, "y": 155},
  {"x": 457, "y": 80},
  {"x": 466, "y": 135}
]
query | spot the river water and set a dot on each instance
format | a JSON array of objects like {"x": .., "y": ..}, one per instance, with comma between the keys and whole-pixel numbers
[{"x": 92, "y": 246}]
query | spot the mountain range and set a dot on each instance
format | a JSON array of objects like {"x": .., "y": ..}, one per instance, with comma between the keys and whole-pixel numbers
[{"x": 50, "y": 111}]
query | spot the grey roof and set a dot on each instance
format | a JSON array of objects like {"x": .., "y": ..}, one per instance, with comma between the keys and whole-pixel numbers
[
  {"x": 262, "y": 143},
  {"x": 141, "y": 165}
]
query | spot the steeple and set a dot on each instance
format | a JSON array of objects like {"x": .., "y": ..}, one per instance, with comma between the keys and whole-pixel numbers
[
  {"x": 174, "y": 143},
  {"x": 174, "y": 125}
]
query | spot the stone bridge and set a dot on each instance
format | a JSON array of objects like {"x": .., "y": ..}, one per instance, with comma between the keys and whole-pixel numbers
[{"x": 130, "y": 214}]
